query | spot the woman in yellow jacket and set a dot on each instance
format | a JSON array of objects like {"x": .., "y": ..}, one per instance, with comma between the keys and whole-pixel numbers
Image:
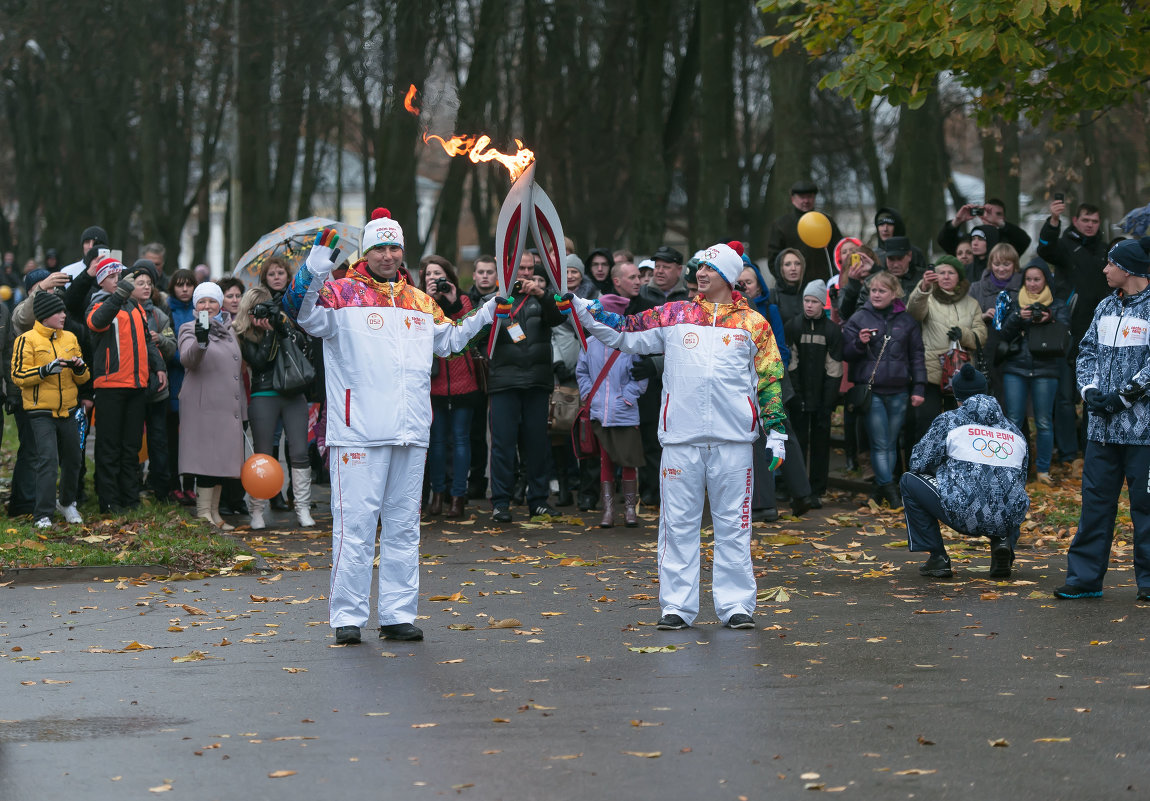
[
  {"x": 47, "y": 366},
  {"x": 941, "y": 303}
]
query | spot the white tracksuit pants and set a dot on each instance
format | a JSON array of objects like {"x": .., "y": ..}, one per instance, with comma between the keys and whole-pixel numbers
[
  {"x": 724, "y": 472},
  {"x": 369, "y": 485}
]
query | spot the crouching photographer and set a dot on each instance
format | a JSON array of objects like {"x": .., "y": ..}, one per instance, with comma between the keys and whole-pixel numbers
[
  {"x": 455, "y": 394},
  {"x": 281, "y": 374}
]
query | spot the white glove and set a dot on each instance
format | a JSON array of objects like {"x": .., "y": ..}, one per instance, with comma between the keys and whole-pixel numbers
[
  {"x": 319, "y": 260},
  {"x": 777, "y": 448}
]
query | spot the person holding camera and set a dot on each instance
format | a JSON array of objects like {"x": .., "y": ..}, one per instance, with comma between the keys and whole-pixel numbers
[
  {"x": 213, "y": 405},
  {"x": 47, "y": 366},
  {"x": 990, "y": 213},
  {"x": 1037, "y": 330},
  {"x": 124, "y": 359},
  {"x": 156, "y": 409},
  {"x": 882, "y": 344},
  {"x": 454, "y": 396},
  {"x": 266, "y": 337},
  {"x": 949, "y": 317}
]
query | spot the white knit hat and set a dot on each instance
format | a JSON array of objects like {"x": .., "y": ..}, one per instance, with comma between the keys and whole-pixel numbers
[
  {"x": 207, "y": 289},
  {"x": 722, "y": 258},
  {"x": 381, "y": 230}
]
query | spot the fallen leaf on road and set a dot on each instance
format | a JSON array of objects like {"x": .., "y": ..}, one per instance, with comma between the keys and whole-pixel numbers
[
  {"x": 913, "y": 771},
  {"x": 424, "y": 725},
  {"x": 163, "y": 788},
  {"x": 191, "y": 610},
  {"x": 642, "y": 723},
  {"x": 1001, "y": 742},
  {"x": 461, "y": 627},
  {"x": 451, "y": 661},
  {"x": 279, "y": 774},
  {"x": 136, "y": 646},
  {"x": 653, "y": 649},
  {"x": 506, "y": 623},
  {"x": 295, "y": 669},
  {"x": 566, "y": 756},
  {"x": 1052, "y": 740},
  {"x": 644, "y": 754},
  {"x": 194, "y": 656},
  {"x": 552, "y": 614},
  {"x": 375, "y": 714},
  {"x": 500, "y": 720},
  {"x": 54, "y": 681}
]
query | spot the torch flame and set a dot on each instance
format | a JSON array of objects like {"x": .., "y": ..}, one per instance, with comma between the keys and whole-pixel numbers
[{"x": 475, "y": 147}]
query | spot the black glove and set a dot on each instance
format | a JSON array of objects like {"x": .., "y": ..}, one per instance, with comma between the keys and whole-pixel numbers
[
  {"x": 1091, "y": 399},
  {"x": 201, "y": 333},
  {"x": 12, "y": 406},
  {"x": 1132, "y": 391},
  {"x": 644, "y": 368},
  {"x": 954, "y": 334},
  {"x": 90, "y": 256},
  {"x": 54, "y": 367},
  {"x": 1110, "y": 403},
  {"x": 124, "y": 288},
  {"x": 78, "y": 366},
  {"x": 562, "y": 372}
]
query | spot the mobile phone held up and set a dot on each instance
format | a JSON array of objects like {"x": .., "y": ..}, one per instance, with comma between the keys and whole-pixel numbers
[
  {"x": 1059, "y": 196},
  {"x": 205, "y": 319}
]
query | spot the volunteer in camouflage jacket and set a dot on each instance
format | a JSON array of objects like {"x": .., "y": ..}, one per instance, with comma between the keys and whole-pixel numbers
[
  {"x": 1113, "y": 376},
  {"x": 969, "y": 471}
]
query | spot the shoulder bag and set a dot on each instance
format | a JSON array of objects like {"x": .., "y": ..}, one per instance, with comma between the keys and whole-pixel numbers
[
  {"x": 859, "y": 396},
  {"x": 1048, "y": 339},
  {"x": 292, "y": 372},
  {"x": 583, "y": 435}
]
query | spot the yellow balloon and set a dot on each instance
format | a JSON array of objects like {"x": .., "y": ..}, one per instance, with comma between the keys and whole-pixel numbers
[
  {"x": 5, "y": 292},
  {"x": 815, "y": 229}
]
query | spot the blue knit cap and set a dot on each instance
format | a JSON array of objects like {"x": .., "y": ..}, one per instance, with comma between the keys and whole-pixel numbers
[{"x": 1132, "y": 256}]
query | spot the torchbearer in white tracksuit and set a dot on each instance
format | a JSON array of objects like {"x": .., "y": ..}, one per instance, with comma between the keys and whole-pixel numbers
[
  {"x": 720, "y": 384},
  {"x": 379, "y": 335}
]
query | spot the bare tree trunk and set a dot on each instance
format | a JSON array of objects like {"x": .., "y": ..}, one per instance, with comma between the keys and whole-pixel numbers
[
  {"x": 791, "y": 86},
  {"x": 650, "y": 178},
  {"x": 1000, "y": 165},
  {"x": 918, "y": 174},
  {"x": 716, "y": 108}
]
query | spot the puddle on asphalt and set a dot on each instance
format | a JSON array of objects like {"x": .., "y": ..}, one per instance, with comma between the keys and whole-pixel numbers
[{"x": 63, "y": 730}]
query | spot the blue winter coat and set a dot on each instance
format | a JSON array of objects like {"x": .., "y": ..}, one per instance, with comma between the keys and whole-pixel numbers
[
  {"x": 1116, "y": 350},
  {"x": 616, "y": 403},
  {"x": 902, "y": 366},
  {"x": 181, "y": 313},
  {"x": 979, "y": 460}
]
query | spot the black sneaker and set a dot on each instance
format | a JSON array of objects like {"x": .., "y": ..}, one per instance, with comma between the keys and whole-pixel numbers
[
  {"x": 800, "y": 506},
  {"x": 671, "y": 623},
  {"x": 400, "y": 631},
  {"x": 816, "y": 502},
  {"x": 1001, "y": 555},
  {"x": 937, "y": 566},
  {"x": 543, "y": 509},
  {"x": 347, "y": 635},
  {"x": 768, "y": 515},
  {"x": 740, "y": 621},
  {"x": 501, "y": 515},
  {"x": 1068, "y": 592},
  {"x": 1143, "y": 594}
]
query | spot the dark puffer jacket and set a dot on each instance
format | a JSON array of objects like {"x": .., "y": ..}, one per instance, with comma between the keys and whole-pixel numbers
[
  {"x": 1077, "y": 261},
  {"x": 1016, "y": 330},
  {"x": 525, "y": 364},
  {"x": 903, "y": 364},
  {"x": 985, "y": 497}
]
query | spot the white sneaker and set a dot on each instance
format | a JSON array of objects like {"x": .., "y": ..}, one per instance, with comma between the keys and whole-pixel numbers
[
  {"x": 71, "y": 514},
  {"x": 44, "y": 522}
]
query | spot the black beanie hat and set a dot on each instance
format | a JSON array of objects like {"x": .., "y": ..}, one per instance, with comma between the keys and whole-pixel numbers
[
  {"x": 45, "y": 304},
  {"x": 95, "y": 232},
  {"x": 968, "y": 382}
]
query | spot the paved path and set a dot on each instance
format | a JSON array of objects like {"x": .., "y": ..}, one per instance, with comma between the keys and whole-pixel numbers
[{"x": 861, "y": 678}]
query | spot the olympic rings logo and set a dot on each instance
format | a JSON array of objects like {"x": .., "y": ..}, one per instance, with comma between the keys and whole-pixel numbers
[{"x": 992, "y": 448}]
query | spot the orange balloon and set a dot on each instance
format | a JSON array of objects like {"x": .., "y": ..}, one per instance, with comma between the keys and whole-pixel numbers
[
  {"x": 262, "y": 476},
  {"x": 815, "y": 229}
]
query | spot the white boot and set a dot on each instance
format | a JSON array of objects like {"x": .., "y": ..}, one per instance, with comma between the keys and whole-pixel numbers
[
  {"x": 301, "y": 486},
  {"x": 218, "y": 521},
  {"x": 204, "y": 504},
  {"x": 256, "y": 508}
]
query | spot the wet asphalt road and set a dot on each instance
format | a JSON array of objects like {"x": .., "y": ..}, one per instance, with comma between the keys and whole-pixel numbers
[{"x": 861, "y": 679}]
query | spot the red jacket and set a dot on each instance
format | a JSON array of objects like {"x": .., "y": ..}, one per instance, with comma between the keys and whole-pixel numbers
[{"x": 455, "y": 376}]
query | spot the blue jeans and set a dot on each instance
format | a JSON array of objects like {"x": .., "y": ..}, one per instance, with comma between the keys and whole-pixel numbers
[
  {"x": 1042, "y": 392},
  {"x": 452, "y": 424},
  {"x": 883, "y": 424}
]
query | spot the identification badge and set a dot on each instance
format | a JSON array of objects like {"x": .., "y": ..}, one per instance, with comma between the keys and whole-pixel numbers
[{"x": 516, "y": 332}]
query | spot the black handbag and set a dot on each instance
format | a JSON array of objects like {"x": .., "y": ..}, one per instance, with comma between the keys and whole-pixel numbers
[
  {"x": 292, "y": 372},
  {"x": 859, "y": 396},
  {"x": 1048, "y": 339}
]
